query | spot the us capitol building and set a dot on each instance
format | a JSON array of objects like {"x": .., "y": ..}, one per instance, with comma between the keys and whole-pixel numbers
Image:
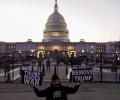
[{"x": 56, "y": 39}]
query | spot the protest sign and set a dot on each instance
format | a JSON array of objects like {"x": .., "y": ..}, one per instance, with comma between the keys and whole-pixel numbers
[
  {"x": 31, "y": 77},
  {"x": 85, "y": 74}
]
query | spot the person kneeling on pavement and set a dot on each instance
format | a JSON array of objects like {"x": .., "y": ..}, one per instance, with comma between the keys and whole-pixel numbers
[{"x": 56, "y": 91}]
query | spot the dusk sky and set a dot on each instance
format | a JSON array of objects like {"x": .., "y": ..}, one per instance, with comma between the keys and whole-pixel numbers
[{"x": 92, "y": 20}]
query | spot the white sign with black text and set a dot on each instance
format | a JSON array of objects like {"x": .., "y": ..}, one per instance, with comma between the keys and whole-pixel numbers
[
  {"x": 31, "y": 77},
  {"x": 85, "y": 74}
]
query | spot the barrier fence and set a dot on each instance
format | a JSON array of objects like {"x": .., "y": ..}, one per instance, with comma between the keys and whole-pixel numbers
[{"x": 104, "y": 69}]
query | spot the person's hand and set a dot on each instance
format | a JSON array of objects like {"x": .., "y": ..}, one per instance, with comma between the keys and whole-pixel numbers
[
  {"x": 83, "y": 85},
  {"x": 78, "y": 83},
  {"x": 81, "y": 82},
  {"x": 32, "y": 86}
]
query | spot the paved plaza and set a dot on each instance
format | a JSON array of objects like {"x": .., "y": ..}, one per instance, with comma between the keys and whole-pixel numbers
[
  {"x": 88, "y": 91},
  {"x": 92, "y": 91}
]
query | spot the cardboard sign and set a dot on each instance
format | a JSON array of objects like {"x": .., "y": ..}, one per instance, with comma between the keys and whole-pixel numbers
[
  {"x": 85, "y": 74},
  {"x": 31, "y": 77}
]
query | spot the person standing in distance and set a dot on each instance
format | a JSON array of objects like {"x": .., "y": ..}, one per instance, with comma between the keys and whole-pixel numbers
[{"x": 48, "y": 65}]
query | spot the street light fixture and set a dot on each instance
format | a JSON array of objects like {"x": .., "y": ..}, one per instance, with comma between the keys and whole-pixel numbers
[
  {"x": 92, "y": 56},
  {"x": 13, "y": 61},
  {"x": 116, "y": 62},
  {"x": 101, "y": 66},
  {"x": 7, "y": 65},
  {"x": 20, "y": 60},
  {"x": 56, "y": 67},
  {"x": 32, "y": 52}
]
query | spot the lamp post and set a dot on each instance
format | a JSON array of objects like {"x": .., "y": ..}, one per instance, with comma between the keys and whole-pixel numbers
[
  {"x": 92, "y": 56},
  {"x": 101, "y": 56},
  {"x": 20, "y": 60},
  {"x": 56, "y": 67},
  {"x": 66, "y": 62},
  {"x": 7, "y": 65},
  {"x": 13, "y": 67},
  {"x": 83, "y": 55},
  {"x": 116, "y": 62},
  {"x": 32, "y": 58}
]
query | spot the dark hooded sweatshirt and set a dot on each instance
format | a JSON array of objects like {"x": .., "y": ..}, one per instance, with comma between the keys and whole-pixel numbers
[{"x": 56, "y": 93}]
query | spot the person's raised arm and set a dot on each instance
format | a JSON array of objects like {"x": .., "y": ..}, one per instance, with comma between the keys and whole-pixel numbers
[
  {"x": 39, "y": 93},
  {"x": 72, "y": 90}
]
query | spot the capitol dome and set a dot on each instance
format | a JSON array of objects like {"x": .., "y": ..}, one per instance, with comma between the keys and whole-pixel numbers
[
  {"x": 55, "y": 23},
  {"x": 56, "y": 27}
]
